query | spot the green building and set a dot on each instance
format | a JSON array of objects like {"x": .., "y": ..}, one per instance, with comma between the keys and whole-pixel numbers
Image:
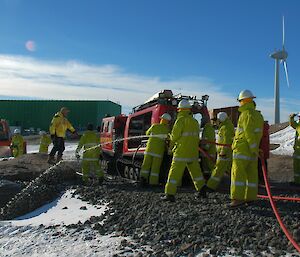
[{"x": 37, "y": 114}]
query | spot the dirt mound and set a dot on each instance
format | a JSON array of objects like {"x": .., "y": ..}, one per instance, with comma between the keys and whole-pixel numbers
[
  {"x": 276, "y": 127},
  {"x": 24, "y": 168}
]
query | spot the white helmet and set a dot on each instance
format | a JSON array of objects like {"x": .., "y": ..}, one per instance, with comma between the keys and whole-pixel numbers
[
  {"x": 184, "y": 104},
  {"x": 166, "y": 116},
  {"x": 42, "y": 132},
  {"x": 245, "y": 94},
  {"x": 222, "y": 116},
  {"x": 16, "y": 131}
]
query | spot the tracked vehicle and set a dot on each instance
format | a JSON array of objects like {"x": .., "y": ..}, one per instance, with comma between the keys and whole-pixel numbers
[{"x": 123, "y": 137}]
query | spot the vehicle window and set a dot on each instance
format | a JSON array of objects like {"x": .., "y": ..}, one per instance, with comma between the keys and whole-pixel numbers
[
  {"x": 110, "y": 126},
  {"x": 138, "y": 127}
]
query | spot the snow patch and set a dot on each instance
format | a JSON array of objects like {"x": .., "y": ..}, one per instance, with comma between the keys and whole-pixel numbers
[{"x": 285, "y": 138}]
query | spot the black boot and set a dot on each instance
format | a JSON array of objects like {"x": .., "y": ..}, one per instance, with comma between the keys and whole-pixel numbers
[
  {"x": 143, "y": 182},
  {"x": 51, "y": 159},
  {"x": 202, "y": 193},
  {"x": 100, "y": 181},
  {"x": 168, "y": 198}
]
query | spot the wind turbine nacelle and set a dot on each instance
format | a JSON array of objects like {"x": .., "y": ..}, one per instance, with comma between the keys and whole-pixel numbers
[{"x": 279, "y": 55}]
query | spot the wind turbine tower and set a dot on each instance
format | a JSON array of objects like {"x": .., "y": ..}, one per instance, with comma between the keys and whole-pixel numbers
[{"x": 280, "y": 57}]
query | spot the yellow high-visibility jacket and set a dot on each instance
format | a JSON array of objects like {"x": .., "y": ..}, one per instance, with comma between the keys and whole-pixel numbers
[
  {"x": 296, "y": 126},
  {"x": 209, "y": 134},
  {"x": 44, "y": 143},
  {"x": 90, "y": 142},
  {"x": 17, "y": 145},
  {"x": 248, "y": 133},
  {"x": 225, "y": 136},
  {"x": 157, "y": 145},
  {"x": 185, "y": 138},
  {"x": 59, "y": 125}
]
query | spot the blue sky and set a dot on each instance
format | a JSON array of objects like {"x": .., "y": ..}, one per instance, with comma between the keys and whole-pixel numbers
[{"x": 125, "y": 51}]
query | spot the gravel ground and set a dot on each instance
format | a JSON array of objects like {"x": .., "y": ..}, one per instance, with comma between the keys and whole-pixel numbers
[{"x": 189, "y": 225}]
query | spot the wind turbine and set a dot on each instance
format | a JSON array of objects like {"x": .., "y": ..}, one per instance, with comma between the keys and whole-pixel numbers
[{"x": 281, "y": 56}]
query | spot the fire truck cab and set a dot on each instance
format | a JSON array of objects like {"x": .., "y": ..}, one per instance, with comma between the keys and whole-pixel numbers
[{"x": 123, "y": 149}]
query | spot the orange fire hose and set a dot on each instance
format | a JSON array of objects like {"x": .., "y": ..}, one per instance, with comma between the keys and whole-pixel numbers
[
  {"x": 283, "y": 227},
  {"x": 285, "y": 198}
]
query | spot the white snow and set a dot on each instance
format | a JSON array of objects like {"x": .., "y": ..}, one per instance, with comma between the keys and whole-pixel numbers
[
  {"x": 285, "y": 138},
  {"x": 64, "y": 210},
  {"x": 24, "y": 236},
  {"x": 68, "y": 154}
]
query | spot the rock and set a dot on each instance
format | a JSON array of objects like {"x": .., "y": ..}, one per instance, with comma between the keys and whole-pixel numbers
[{"x": 83, "y": 208}]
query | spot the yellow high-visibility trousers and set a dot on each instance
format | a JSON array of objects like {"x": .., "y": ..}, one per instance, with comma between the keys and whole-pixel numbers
[
  {"x": 207, "y": 165},
  {"x": 244, "y": 180},
  {"x": 176, "y": 172},
  {"x": 220, "y": 168},
  {"x": 90, "y": 168},
  {"x": 151, "y": 168}
]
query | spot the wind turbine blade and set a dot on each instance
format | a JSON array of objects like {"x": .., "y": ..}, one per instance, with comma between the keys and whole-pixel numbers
[
  {"x": 283, "y": 32},
  {"x": 286, "y": 73}
]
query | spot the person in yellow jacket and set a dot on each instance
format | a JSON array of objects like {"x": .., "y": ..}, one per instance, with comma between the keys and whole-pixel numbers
[
  {"x": 296, "y": 155},
  {"x": 90, "y": 165},
  {"x": 185, "y": 141},
  {"x": 45, "y": 141},
  {"x": 59, "y": 126},
  {"x": 244, "y": 174},
  {"x": 155, "y": 149},
  {"x": 224, "y": 153},
  {"x": 208, "y": 135},
  {"x": 17, "y": 144}
]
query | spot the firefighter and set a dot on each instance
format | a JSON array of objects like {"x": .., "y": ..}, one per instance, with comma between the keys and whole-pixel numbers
[
  {"x": 244, "y": 177},
  {"x": 155, "y": 149},
  {"x": 90, "y": 165},
  {"x": 17, "y": 144},
  {"x": 208, "y": 135},
  {"x": 185, "y": 141},
  {"x": 296, "y": 155},
  {"x": 224, "y": 152},
  {"x": 59, "y": 126},
  {"x": 45, "y": 141}
]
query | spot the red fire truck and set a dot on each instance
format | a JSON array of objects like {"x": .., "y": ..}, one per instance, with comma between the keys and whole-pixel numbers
[{"x": 122, "y": 138}]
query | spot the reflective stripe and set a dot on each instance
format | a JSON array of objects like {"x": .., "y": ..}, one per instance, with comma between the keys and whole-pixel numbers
[
  {"x": 178, "y": 159},
  {"x": 161, "y": 136},
  {"x": 243, "y": 157},
  {"x": 145, "y": 171},
  {"x": 215, "y": 178},
  {"x": 153, "y": 175},
  {"x": 206, "y": 171},
  {"x": 173, "y": 181},
  {"x": 153, "y": 154},
  {"x": 240, "y": 129},
  {"x": 237, "y": 183},
  {"x": 253, "y": 145},
  {"x": 90, "y": 144},
  {"x": 90, "y": 159},
  {"x": 198, "y": 178},
  {"x": 257, "y": 130},
  {"x": 187, "y": 134},
  {"x": 223, "y": 159},
  {"x": 251, "y": 184}
]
